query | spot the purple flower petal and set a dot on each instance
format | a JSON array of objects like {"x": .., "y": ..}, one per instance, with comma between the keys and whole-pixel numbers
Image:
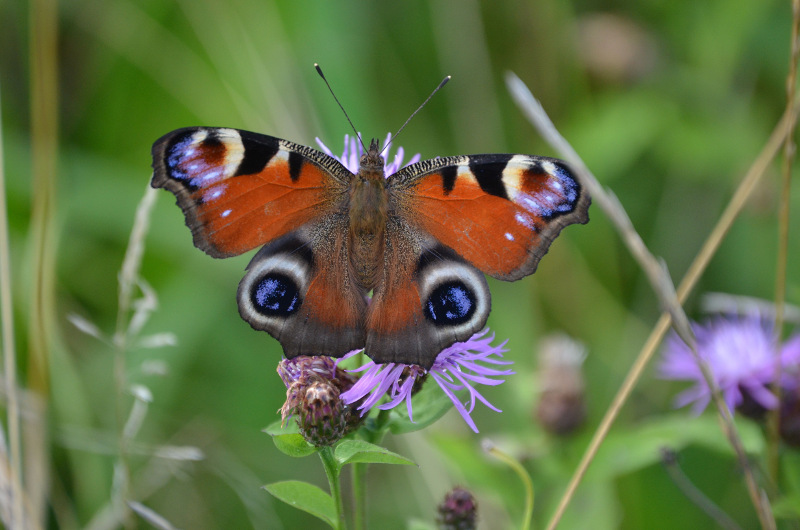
[
  {"x": 741, "y": 353},
  {"x": 458, "y": 367},
  {"x": 456, "y": 402},
  {"x": 352, "y": 152}
]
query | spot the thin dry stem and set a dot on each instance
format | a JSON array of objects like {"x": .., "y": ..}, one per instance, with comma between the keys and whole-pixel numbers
[
  {"x": 129, "y": 273},
  {"x": 534, "y": 111},
  {"x": 44, "y": 156},
  {"x": 773, "y": 419},
  {"x": 44, "y": 90},
  {"x": 128, "y": 280}
]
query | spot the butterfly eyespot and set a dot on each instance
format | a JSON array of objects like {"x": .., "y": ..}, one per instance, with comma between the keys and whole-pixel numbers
[
  {"x": 275, "y": 295},
  {"x": 454, "y": 295},
  {"x": 450, "y": 303},
  {"x": 275, "y": 286}
]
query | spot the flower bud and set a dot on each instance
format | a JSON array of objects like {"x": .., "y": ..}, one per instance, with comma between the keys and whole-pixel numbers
[
  {"x": 306, "y": 367},
  {"x": 313, "y": 388},
  {"x": 458, "y": 511},
  {"x": 321, "y": 415},
  {"x": 562, "y": 406}
]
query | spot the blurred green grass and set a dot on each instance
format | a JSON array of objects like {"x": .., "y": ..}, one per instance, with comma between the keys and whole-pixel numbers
[{"x": 671, "y": 135}]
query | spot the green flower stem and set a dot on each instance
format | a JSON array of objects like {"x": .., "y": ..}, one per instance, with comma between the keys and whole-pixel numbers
[
  {"x": 380, "y": 423},
  {"x": 360, "y": 496},
  {"x": 332, "y": 470},
  {"x": 360, "y": 472},
  {"x": 523, "y": 475}
]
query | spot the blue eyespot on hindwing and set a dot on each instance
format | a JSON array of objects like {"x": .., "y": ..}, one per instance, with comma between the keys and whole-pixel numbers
[
  {"x": 275, "y": 294},
  {"x": 450, "y": 303}
]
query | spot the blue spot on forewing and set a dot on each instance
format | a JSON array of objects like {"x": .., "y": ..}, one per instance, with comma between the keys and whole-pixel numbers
[
  {"x": 184, "y": 164},
  {"x": 178, "y": 152}
]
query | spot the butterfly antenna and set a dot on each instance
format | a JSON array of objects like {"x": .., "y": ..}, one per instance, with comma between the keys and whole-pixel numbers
[
  {"x": 443, "y": 83},
  {"x": 319, "y": 71}
]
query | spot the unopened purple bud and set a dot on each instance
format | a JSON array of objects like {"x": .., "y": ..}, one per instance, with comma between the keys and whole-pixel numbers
[{"x": 458, "y": 511}]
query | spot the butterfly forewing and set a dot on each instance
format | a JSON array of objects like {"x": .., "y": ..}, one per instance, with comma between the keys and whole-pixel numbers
[
  {"x": 499, "y": 212},
  {"x": 240, "y": 190}
]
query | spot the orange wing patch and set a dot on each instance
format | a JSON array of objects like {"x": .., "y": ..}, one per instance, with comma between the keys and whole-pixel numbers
[
  {"x": 500, "y": 212},
  {"x": 239, "y": 190},
  {"x": 245, "y": 211}
]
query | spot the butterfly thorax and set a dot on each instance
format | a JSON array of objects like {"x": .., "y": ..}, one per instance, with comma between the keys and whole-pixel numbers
[{"x": 368, "y": 215}]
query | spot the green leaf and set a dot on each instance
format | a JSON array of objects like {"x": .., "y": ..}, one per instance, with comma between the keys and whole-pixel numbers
[
  {"x": 419, "y": 524},
  {"x": 790, "y": 470},
  {"x": 351, "y": 451},
  {"x": 306, "y": 497},
  {"x": 629, "y": 450},
  {"x": 598, "y": 503},
  {"x": 787, "y": 507},
  {"x": 277, "y": 428},
  {"x": 289, "y": 441},
  {"x": 428, "y": 405},
  {"x": 293, "y": 445}
]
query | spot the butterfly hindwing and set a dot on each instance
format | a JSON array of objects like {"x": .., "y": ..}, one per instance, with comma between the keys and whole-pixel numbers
[
  {"x": 427, "y": 299},
  {"x": 239, "y": 190},
  {"x": 499, "y": 212},
  {"x": 299, "y": 291}
]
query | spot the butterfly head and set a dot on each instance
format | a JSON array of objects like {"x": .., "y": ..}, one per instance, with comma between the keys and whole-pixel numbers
[{"x": 372, "y": 162}]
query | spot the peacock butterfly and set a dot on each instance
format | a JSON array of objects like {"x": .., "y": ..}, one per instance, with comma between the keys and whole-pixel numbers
[{"x": 418, "y": 241}]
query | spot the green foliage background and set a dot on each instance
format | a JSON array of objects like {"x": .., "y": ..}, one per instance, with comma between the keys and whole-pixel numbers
[{"x": 672, "y": 140}]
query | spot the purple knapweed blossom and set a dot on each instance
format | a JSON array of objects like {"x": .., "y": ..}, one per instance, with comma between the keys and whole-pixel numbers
[
  {"x": 458, "y": 367},
  {"x": 741, "y": 353},
  {"x": 351, "y": 155}
]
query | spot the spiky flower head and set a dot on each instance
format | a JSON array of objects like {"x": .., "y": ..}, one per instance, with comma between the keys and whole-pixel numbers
[
  {"x": 741, "y": 353},
  {"x": 321, "y": 416},
  {"x": 313, "y": 388},
  {"x": 458, "y": 511}
]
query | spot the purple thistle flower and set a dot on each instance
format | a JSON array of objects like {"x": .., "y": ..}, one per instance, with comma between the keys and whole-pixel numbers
[
  {"x": 458, "y": 367},
  {"x": 351, "y": 155},
  {"x": 741, "y": 353}
]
